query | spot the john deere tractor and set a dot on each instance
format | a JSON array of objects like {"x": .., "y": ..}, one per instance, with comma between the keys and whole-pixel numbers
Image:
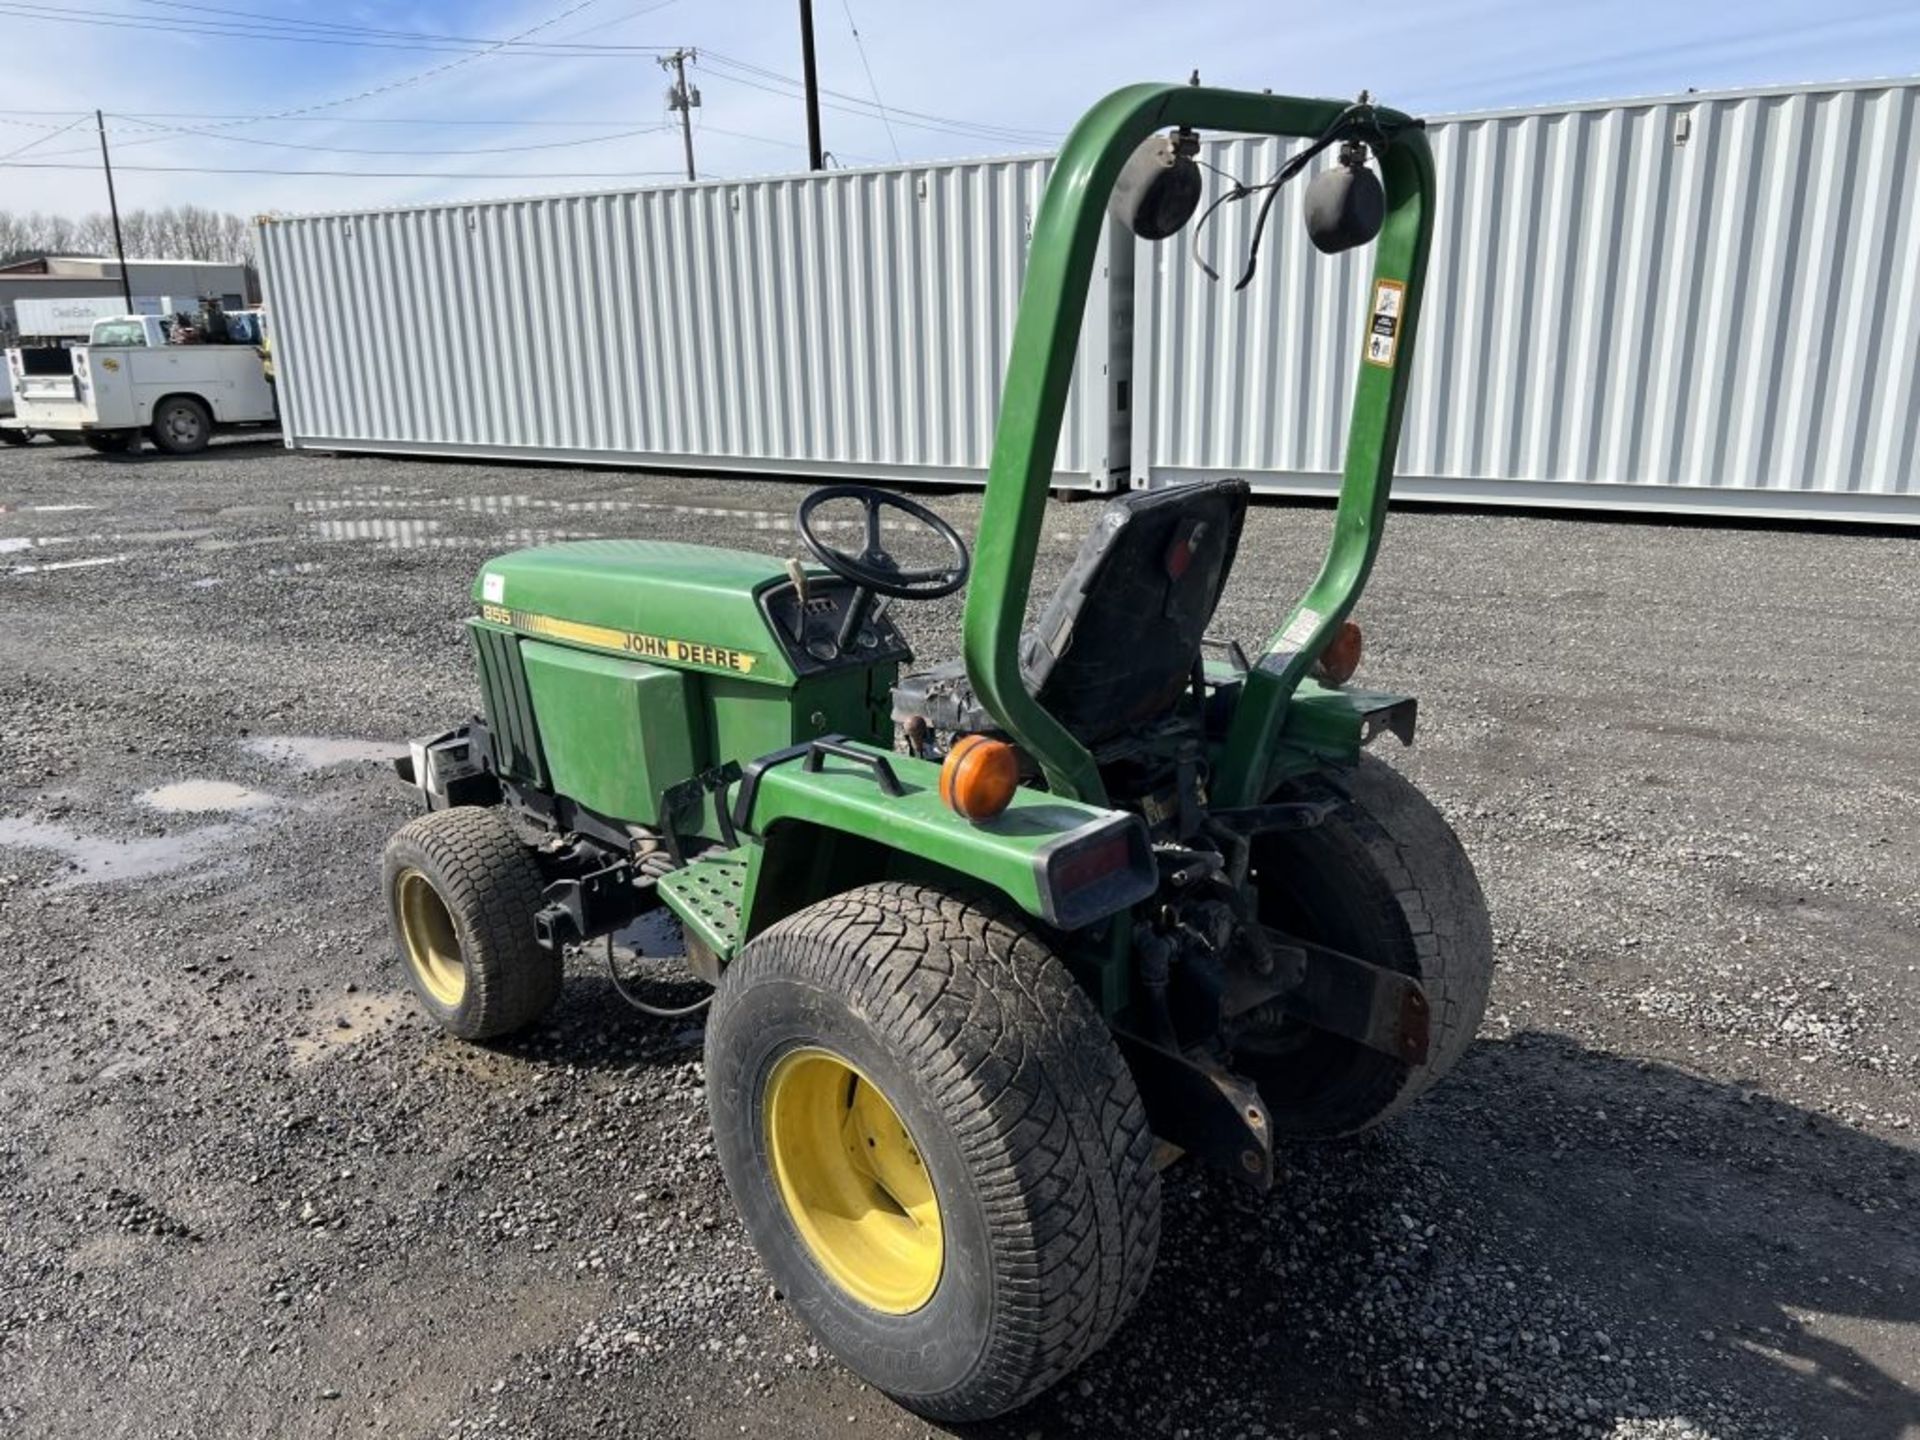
[{"x": 992, "y": 942}]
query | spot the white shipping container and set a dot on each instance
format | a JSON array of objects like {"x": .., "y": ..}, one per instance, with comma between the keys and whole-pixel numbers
[
  {"x": 1694, "y": 303},
  {"x": 1703, "y": 303},
  {"x": 851, "y": 323}
]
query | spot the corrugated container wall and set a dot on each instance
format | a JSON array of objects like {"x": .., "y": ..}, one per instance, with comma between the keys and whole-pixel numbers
[
  {"x": 848, "y": 324},
  {"x": 1702, "y": 302}
]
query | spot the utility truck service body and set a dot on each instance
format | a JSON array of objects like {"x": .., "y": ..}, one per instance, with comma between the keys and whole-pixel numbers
[{"x": 128, "y": 381}]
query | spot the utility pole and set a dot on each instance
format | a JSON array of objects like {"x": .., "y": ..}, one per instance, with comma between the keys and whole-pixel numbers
[
  {"x": 681, "y": 98},
  {"x": 113, "y": 206},
  {"x": 816, "y": 160}
]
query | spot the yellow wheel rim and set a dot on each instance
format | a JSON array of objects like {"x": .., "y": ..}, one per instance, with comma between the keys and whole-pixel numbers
[
  {"x": 853, "y": 1182},
  {"x": 433, "y": 945}
]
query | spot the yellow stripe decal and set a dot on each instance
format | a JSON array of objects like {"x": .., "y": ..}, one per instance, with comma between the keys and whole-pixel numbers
[{"x": 602, "y": 637}]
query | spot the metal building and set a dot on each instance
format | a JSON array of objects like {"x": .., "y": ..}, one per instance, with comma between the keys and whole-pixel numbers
[{"x": 1696, "y": 302}]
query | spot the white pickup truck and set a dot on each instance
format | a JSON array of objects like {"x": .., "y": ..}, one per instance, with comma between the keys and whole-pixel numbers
[{"x": 127, "y": 382}]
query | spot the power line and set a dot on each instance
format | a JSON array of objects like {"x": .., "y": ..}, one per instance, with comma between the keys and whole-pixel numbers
[
  {"x": 296, "y": 32},
  {"x": 864, "y": 111},
  {"x": 351, "y": 174},
  {"x": 706, "y": 127},
  {"x": 334, "y": 25},
  {"x": 53, "y": 133},
  {"x": 860, "y": 46},
  {"x": 738, "y": 64},
  {"x": 753, "y": 76},
  {"x": 418, "y": 77},
  {"x": 513, "y": 120},
  {"x": 363, "y": 150}
]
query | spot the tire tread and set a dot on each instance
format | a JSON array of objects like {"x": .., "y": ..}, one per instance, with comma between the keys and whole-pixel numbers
[
  {"x": 491, "y": 886},
  {"x": 1041, "y": 1101}
]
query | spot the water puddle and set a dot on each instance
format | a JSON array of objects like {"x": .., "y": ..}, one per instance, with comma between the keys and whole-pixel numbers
[
  {"x": 250, "y": 542},
  {"x": 48, "y": 565},
  {"x": 417, "y": 534},
  {"x": 392, "y": 534},
  {"x": 207, "y": 582},
  {"x": 198, "y": 797},
  {"x": 96, "y": 860},
  {"x": 14, "y": 544},
  {"x": 157, "y": 537},
  {"x": 317, "y": 752},
  {"x": 42, "y": 509},
  {"x": 655, "y": 935},
  {"x": 297, "y": 567},
  {"x": 354, "y": 1019}
]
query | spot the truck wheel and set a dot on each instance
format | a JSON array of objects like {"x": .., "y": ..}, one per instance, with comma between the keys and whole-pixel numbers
[
  {"x": 461, "y": 896},
  {"x": 936, "y": 1147},
  {"x": 181, "y": 425},
  {"x": 14, "y": 437},
  {"x": 1384, "y": 878}
]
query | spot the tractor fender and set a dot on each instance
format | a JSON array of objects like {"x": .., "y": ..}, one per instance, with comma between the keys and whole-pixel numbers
[{"x": 840, "y": 813}]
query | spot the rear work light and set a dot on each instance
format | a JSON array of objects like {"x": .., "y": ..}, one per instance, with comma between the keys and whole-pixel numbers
[{"x": 1094, "y": 870}]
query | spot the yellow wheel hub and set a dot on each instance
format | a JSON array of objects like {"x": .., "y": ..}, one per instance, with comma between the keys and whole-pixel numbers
[
  {"x": 433, "y": 945},
  {"x": 853, "y": 1182}
]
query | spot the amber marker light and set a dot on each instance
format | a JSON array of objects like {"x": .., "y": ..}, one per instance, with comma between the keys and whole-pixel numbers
[
  {"x": 978, "y": 777},
  {"x": 1341, "y": 657}
]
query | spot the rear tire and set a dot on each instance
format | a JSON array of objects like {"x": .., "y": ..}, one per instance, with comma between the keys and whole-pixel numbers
[
  {"x": 1018, "y": 1139},
  {"x": 15, "y": 437},
  {"x": 461, "y": 895},
  {"x": 182, "y": 426},
  {"x": 1384, "y": 878}
]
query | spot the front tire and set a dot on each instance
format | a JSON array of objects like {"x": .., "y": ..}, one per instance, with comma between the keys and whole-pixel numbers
[
  {"x": 934, "y": 1143},
  {"x": 1385, "y": 879},
  {"x": 462, "y": 891},
  {"x": 182, "y": 426}
]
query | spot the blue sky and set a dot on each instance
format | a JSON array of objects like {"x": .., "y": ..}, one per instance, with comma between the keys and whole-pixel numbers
[{"x": 987, "y": 77}]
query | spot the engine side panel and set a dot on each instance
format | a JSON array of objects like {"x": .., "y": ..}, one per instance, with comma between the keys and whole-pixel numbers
[{"x": 616, "y": 733}]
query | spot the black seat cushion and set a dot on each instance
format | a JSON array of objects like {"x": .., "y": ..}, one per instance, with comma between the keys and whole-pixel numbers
[{"x": 1116, "y": 643}]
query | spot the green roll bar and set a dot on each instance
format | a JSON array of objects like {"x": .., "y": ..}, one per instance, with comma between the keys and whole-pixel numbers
[{"x": 1046, "y": 335}]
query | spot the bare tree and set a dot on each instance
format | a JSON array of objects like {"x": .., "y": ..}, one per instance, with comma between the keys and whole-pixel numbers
[{"x": 176, "y": 232}]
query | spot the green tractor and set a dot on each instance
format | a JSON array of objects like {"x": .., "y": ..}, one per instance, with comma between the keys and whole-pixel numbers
[{"x": 994, "y": 942}]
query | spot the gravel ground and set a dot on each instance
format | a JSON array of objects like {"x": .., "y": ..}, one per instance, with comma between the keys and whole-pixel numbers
[{"x": 1671, "y": 1192}]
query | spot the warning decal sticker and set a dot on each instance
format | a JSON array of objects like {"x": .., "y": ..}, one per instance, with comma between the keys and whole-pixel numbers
[{"x": 1383, "y": 327}]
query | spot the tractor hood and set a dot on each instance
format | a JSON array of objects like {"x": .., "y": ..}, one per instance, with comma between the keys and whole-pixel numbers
[{"x": 688, "y": 606}]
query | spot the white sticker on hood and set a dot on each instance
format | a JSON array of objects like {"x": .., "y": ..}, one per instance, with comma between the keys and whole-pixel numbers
[{"x": 493, "y": 589}]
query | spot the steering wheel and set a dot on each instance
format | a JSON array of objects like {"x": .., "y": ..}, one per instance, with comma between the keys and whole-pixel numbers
[{"x": 873, "y": 569}]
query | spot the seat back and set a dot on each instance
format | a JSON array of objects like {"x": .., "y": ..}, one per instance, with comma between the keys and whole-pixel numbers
[{"x": 1117, "y": 643}]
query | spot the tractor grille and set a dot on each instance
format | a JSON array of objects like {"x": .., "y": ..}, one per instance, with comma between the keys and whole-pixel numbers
[{"x": 510, "y": 722}]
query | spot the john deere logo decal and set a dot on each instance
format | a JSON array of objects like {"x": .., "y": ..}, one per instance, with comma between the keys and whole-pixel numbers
[{"x": 603, "y": 637}]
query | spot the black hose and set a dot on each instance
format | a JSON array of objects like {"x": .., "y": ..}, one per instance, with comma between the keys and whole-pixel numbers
[{"x": 659, "y": 1012}]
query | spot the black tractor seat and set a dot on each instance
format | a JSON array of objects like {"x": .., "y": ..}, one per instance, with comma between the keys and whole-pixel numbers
[{"x": 1116, "y": 644}]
